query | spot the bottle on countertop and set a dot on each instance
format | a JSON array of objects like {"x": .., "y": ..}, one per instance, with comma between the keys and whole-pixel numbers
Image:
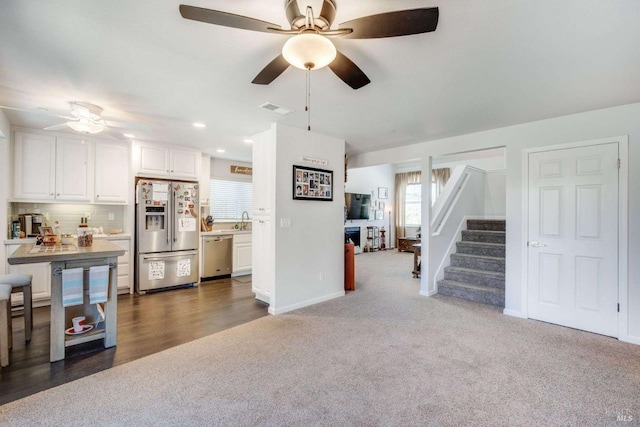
[{"x": 15, "y": 229}]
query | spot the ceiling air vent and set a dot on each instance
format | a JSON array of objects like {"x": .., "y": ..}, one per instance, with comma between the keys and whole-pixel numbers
[{"x": 275, "y": 108}]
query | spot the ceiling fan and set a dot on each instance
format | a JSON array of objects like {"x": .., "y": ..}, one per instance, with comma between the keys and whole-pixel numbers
[
  {"x": 84, "y": 118},
  {"x": 310, "y": 49}
]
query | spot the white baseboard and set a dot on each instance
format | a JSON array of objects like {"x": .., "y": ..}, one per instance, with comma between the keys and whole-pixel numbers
[
  {"x": 428, "y": 293},
  {"x": 631, "y": 340},
  {"x": 513, "y": 313},
  {"x": 291, "y": 307}
]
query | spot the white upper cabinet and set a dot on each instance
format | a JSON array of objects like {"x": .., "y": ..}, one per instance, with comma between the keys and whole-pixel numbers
[
  {"x": 156, "y": 160},
  {"x": 205, "y": 180},
  {"x": 185, "y": 163},
  {"x": 111, "y": 172},
  {"x": 263, "y": 177},
  {"x": 50, "y": 168},
  {"x": 35, "y": 157},
  {"x": 72, "y": 169}
]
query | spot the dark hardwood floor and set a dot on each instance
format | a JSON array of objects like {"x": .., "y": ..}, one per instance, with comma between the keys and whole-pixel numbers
[{"x": 146, "y": 324}]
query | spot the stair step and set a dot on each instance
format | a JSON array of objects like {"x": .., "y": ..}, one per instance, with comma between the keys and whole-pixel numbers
[
  {"x": 484, "y": 236},
  {"x": 492, "y": 279},
  {"x": 471, "y": 292},
  {"x": 478, "y": 262},
  {"x": 487, "y": 224},
  {"x": 481, "y": 248}
]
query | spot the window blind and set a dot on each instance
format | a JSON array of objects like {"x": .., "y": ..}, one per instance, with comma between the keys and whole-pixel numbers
[{"x": 230, "y": 198}]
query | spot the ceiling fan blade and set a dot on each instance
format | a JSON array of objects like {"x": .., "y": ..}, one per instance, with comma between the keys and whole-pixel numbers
[
  {"x": 57, "y": 127},
  {"x": 42, "y": 112},
  {"x": 393, "y": 24},
  {"x": 292, "y": 11},
  {"x": 328, "y": 12},
  {"x": 348, "y": 72},
  {"x": 271, "y": 71},
  {"x": 115, "y": 124},
  {"x": 225, "y": 19}
]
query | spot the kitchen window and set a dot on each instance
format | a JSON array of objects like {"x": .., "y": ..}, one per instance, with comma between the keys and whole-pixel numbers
[{"x": 229, "y": 199}]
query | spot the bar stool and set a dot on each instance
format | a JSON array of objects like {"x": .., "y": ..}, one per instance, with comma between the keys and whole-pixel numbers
[
  {"x": 5, "y": 324},
  {"x": 22, "y": 283}
]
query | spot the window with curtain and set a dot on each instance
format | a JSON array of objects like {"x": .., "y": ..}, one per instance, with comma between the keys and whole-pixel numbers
[
  {"x": 408, "y": 201},
  {"x": 413, "y": 205},
  {"x": 230, "y": 198},
  {"x": 439, "y": 178}
]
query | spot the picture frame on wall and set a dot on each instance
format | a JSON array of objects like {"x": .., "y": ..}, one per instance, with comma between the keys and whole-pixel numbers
[
  {"x": 383, "y": 193},
  {"x": 312, "y": 184}
]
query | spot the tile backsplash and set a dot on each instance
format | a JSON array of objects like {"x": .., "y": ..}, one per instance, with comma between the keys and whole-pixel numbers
[{"x": 69, "y": 214}]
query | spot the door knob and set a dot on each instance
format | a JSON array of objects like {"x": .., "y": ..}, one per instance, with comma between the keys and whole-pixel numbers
[{"x": 536, "y": 244}]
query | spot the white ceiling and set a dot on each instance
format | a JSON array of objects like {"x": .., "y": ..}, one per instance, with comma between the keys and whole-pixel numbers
[{"x": 489, "y": 64}]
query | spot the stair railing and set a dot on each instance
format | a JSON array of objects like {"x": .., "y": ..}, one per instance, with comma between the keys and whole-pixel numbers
[{"x": 462, "y": 197}]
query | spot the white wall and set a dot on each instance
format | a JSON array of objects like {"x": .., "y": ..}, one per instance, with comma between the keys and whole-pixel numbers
[
  {"x": 309, "y": 254},
  {"x": 495, "y": 194},
  {"x": 616, "y": 121},
  {"x": 5, "y": 181},
  {"x": 221, "y": 169},
  {"x": 368, "y": 180}
]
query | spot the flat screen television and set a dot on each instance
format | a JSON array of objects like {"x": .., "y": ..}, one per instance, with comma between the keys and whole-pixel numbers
[{"x": 358, "y": 205}]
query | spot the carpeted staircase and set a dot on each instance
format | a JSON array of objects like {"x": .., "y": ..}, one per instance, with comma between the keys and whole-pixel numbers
[{"x": 476, "y": 272}]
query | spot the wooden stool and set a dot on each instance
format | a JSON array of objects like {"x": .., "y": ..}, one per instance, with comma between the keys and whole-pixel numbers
[
  {"x": 22, "y": 283},
  {"x": 5, "y": 324}
]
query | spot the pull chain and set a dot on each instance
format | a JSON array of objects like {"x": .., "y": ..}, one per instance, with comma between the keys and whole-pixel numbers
[{"x": 307, "y": 107}]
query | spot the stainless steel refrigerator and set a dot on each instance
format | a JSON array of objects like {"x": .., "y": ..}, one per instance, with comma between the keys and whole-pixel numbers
[{"x": 167, "y": 234}]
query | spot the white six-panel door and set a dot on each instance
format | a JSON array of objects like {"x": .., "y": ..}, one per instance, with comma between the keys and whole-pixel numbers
[{"x": 573, "y": 238}]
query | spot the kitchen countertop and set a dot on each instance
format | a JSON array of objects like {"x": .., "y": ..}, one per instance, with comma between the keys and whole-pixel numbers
[
  {"x": 99, "y": 249},
  {"x": 224, "y": 232},
  {"x": 95, "y": 236}
]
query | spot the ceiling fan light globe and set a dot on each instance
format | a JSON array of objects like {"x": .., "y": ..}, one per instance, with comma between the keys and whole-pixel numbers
[
  {"x": 309, "y": 51},
  {"x": 86, "y": 127}
]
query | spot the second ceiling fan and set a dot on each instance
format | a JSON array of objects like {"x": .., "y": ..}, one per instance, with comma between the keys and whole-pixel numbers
[{"x": 310, "y": 34}]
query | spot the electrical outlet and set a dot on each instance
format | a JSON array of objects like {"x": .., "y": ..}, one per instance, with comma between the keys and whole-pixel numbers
[
  {"x": 285, "y": 222},
  {"x": 320, "y": 276},
  {"x": 111, "y": 216}
]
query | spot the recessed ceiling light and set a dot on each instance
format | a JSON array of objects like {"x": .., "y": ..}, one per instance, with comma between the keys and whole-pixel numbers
[
  {"x": 248, "y": 141},
  {"x": 220, "y": 150},
  {"x": 129, "y": 135},
  {"x": 199, "y": 125}
]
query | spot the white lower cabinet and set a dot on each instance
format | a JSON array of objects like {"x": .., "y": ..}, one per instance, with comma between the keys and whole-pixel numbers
[
  {"x": 263, "y": 248},
  {"x": 124, "y": 265},
  {"x": 242, "y": 254},
  {"x": 40, "y": 283}
]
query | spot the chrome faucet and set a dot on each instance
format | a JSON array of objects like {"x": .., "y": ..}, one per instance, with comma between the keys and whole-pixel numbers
[{"x": 243, "y": 224}]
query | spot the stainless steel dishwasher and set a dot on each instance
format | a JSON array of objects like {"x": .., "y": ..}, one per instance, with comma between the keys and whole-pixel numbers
[{"x": 217, "y": 256}]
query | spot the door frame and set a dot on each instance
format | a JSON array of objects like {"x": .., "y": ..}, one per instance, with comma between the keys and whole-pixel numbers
[{"x": 623, "y": 231}]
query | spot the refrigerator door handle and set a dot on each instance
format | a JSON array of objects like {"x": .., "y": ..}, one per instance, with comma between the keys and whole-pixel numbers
[
  {"x": 154, "y": 257},
  {"x": 173, "y": 213}
]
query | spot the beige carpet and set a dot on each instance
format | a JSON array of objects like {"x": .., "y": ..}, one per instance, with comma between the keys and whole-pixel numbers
[{"x": 382, "y": 355}]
